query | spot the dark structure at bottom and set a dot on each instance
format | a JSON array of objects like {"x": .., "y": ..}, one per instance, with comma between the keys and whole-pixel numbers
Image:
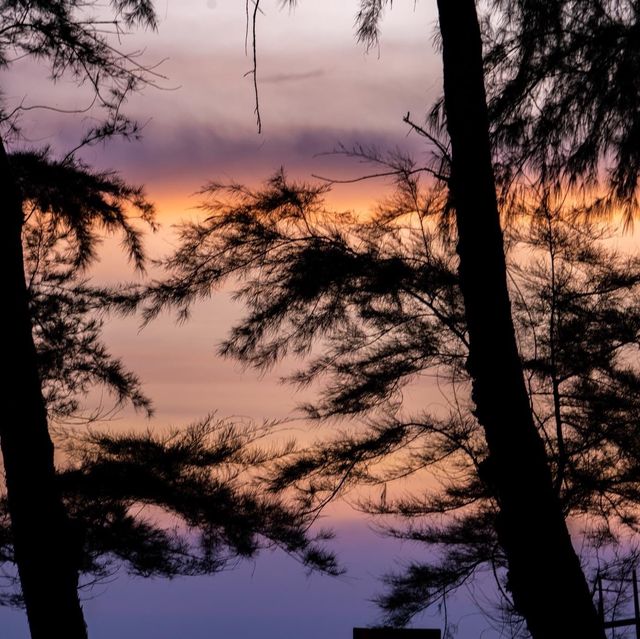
[{"x": 396, "y": 633}]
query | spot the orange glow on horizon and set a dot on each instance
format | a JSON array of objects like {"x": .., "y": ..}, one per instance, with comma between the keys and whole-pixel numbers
[{"x": 176, "y": 202}]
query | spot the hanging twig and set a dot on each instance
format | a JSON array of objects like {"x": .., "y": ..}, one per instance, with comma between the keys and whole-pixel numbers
[{"x": 254, "y": 70}]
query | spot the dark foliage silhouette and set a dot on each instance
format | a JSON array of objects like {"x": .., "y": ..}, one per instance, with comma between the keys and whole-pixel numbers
[
  {"x": 187, "y": 502},
  {"x": 543, "y": 83},
  {"x": 563, "y": 93},
  {"x": 68, "y": 210},
  {"x": 66, "y": 207},
  {"x": 67, "y": 38},
  {"x": 490, "y": 145},
  {"x": 372, "y": 305}
]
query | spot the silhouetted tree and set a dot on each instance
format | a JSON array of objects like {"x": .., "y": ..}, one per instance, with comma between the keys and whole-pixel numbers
[
  {"x": 373, "y": 304},
  {"x": 526, "y": 67},
  {"x": 560, "y": 74},
  {"x": 576, "y": 309},
  {"x": 64, "y": 206},
  {"x": 65, "y": 36},
  {"x": 545, "y": 578},
  {"x": 183, "y": 503}
]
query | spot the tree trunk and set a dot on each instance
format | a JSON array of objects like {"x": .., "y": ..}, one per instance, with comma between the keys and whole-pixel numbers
[
  {"x": 545, "y": 578},
  {"x": 46, "y": 548}
]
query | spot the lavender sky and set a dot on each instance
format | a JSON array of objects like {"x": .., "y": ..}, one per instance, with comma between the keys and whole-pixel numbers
[{"x": 318, "y": 88}]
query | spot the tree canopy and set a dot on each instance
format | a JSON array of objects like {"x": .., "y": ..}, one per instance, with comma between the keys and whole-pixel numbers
[
  {"x": 541, "y": 109},
  {"x": 382, "y": 310},
  {"x": 79, "y": 40},
  {"x": 187, "y": 501}
]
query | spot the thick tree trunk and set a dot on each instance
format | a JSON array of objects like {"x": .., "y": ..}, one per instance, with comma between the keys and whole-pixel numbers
[
  {"x": 545, "y": 578},
  {"x": 46, "y": 549}
]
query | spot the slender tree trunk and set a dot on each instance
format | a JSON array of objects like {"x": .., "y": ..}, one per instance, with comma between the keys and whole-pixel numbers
[
  {"x": 46, "y": 549},
  {"x": 545, "y": 578}
]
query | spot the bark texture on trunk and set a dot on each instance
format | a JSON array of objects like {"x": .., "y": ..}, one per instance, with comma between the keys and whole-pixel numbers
[
  {"x": 46, "y": 546},
  {"x": 545, "y": 577}
]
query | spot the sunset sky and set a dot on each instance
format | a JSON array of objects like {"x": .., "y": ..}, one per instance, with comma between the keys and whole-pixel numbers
[{"x": 318, "y": 88}]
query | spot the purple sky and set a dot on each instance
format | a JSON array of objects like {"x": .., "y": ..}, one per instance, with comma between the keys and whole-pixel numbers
[{"x": 271, "y": 598}]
